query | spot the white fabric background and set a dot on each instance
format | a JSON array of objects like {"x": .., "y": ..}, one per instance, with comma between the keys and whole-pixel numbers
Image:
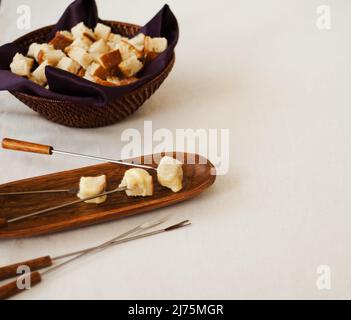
[{"x": 262, "y": 69}]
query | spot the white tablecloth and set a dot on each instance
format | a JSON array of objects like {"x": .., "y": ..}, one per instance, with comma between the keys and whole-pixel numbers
[{"x": 261, "y": 69}]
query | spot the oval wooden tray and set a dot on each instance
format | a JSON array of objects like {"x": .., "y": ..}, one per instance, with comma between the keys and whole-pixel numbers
[{"x": 197, "y": 177}]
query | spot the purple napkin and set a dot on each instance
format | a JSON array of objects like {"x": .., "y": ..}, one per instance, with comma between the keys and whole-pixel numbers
[{"x": 67, "y": 86}]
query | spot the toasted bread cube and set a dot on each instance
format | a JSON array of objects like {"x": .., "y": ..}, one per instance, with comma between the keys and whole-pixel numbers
[
  {"x": 170, "y": 173},
  {"x": 131, "y": 66},
  {"x": 149, "y": 56},
  {"x": 121, "y": 82},
  {"x": 127, "y": 50},
  {"x": 69, "y": 65},
  {"x": 113, "y": 79},
  {"x": 156, "y": 45},
  {"x": 138, "y": 183},
  {"x": 124, "y": 49},
  {"x": 31, "y": 78},
  {"x": 62, "y": 40},
  {"x": 95, "y": 56},
  {"x": 110, "y": 59},
  {"x": 105, "y": 82},
  {"x": 21, "y": 65},
  {"x": 81, "y": 72},
  {"x": 102, "y": 31},
  {"x": 99, "y": 46},
  {"x": 67, "y": 34},
  {"x": 81, "y": 56},
  {"x": 90, "y": 36},
  {"x": 51, "y": 56},
  {"x": 113, "y": 39},
  {"x": 88, "y": 76},
  {"x": 92, "y": 186},
  {"x": 35, "y": 48},
  {"x": 81, "y": 42},
  {"x": 81, "y": 29},
  {"x": 39, "y": 74},
  {"x": 138, "y": 42},
  {"x": 97, "y": 70}
]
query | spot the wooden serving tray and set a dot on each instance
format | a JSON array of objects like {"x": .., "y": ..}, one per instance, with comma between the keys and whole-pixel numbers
[{"x": 197, "y": 177}]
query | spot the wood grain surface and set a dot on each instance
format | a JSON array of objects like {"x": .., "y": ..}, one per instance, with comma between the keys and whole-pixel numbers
[
  {"x": 18, "y": 145},
  {"x": 11, "y": 289},
  {"x": 10, "y": 271}
]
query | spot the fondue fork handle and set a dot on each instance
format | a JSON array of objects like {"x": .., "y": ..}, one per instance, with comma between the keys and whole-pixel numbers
[
  {"x": 10, "y": 271},
  {"x": 11, "y": 289},
  {"x": 25, "y": 146}
]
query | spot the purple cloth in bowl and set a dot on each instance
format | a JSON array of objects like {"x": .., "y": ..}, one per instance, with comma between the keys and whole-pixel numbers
[{"x": 69, "y": 87}]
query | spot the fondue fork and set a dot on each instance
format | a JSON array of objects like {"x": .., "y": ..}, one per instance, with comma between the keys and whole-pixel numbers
[
  {"x": 18, "y": 145},
  {"x": 17, "y": 193},
  {"x": 4, "y": 222},
  {"x": 10, "y": 271},
  {"x": 10, "y": 289}
]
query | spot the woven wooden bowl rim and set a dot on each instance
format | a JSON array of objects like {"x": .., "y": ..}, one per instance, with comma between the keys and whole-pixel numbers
[{"x": 109, "y": 22}]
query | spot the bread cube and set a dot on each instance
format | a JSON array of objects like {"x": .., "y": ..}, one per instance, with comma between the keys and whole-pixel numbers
[
  {"x": 138, "y": 42},
  {"x": 121, "y": 82},
  {"x": 113, "y": 79},
  {"x": 99, "y": 46},
  {"x": 102, "y": 31},
  {"x": 81, "y": 42},
  {"x": 81, "y": 56},
  {"x": 131, "y": 66},
  {"x": 127, "y": 50},
  {"x": 95, "y": 57},
  {"x": 38, "y": 74},
  {"x": 21, "y": 65},
  {"x": 170, "y": 173},
  {"x": 156, "y": 45},
  {"x": 88, "y": 76},
  {"x": 105, "y": 82},
  {"x": 113, "y": 39},
  {"x": 138, "y": 183},
  {"x": 81, "y": 29},
  {"x": 81, "y": 72},
  {"x": 62, "y": 40},
  {"x": 110, "y": 59},
  {"x": 51, "y": 56},
  {"x": 97, "y": 70},
  {"x": 92, "y": 186},
  {"x": 35, "y": 48},
  {"x": 69, "y": 65}
]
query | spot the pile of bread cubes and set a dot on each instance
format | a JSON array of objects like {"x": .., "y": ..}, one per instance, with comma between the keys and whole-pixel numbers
[{"x": 98, "y": 55}]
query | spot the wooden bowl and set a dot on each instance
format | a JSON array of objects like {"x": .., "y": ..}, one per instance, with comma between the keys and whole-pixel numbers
[{"x": 76, "y": 115}]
